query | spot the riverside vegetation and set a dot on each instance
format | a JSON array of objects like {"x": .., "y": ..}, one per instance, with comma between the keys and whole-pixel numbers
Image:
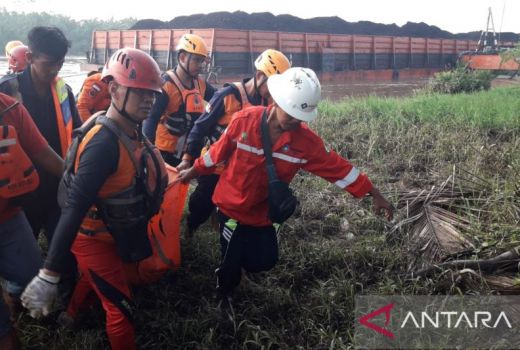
[{"x": 334, "y": 248}]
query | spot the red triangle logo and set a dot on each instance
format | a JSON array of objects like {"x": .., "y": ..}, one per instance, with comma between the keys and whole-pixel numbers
[{"x": 386, "y": 310}]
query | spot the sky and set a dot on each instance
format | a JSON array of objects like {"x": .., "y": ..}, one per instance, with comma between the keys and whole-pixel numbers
[{"x": 455, "y": 16}]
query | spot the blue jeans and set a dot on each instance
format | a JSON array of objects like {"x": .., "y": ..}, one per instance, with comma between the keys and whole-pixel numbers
[{"x": 20, "y": 260}]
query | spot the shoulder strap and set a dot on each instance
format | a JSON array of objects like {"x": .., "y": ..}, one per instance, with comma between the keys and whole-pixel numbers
[
  {"x": 178, "y": 84},
  {"x": 243, "y": 94},
  {"x": 125, "y": 140},
  {"x": 14, "y": 86},
  {"x": 268, "y": 152},
  {"x": 7, "y": 109},
  {"x": 175, "y": 80}
]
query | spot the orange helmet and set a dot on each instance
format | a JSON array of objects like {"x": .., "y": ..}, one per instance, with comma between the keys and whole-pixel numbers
[
  {"x": 272, "y": 62},
  {"x": 17, "y": 60},
  {"x": 192, "y": 43},
  {"x": 11, "y": 45},
  {"x": 133, "y": 68}
]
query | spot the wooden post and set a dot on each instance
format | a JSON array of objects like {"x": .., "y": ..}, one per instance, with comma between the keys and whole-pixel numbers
[
  {"x": 251, "y": 53},
  {"x": 442, "y": 52},
  {"x": 92, "y": 49},
  {"x": 410, "y": 58},
  {"x": 427, "y": 52},
  {"x": 213, "y": 62},
  {"x": 169, "y": 54},
  {"x": 106, "y": 47},
  {"x": 150, "y": 43},
  {"x": 374, "y": 61},
  {"x": 135, "y": 39},
  {"x": 354, "y": 52},
  {"x": 393, "y": 53},
  {"x": 307, "y": 59}
]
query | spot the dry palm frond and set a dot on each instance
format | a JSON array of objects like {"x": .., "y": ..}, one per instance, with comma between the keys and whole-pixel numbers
[
  {"x": 505, "y": 284},
  {"x": 434, "y": 220},
  {"x": 507, "y": 261}
]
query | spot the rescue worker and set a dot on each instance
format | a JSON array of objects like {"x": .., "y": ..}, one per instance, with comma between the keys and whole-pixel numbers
[
  {"x": 113, "y": 183},
  {"x": 182, "y": 100},
  {"x": 20, "y": 257},
  {"x": 51, "y": 104},
  {"x": 17, "y": 61},
  {"x": 93, "y": 97},
  {"x": 228, "y": 100},
  {"x": 247, "y": 235},
  {"x": 10, "y": 46}
]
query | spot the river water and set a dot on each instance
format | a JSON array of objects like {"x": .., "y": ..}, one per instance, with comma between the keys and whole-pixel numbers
[
  {"x": 70, "y": 72},
  {"x": 74, "y": 77}
]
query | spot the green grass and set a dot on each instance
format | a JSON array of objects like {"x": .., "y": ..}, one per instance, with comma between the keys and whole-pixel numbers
[{"x": 306, "y": 301}]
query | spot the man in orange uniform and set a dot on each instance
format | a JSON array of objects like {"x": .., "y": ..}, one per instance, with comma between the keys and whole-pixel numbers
[
  {"x": 20, "y": 257},
  {"x": 113, "y": 183},
  {"x": 228, "y": 100},
  {"x": 93, "y": 97},
  {"x": 247, "y": 235},
  {"x": 182, "y": 100}
]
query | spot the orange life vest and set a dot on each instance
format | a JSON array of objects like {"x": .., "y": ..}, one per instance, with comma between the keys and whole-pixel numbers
[
  {"x": 17, "y": 173},
  {"x": 60, "y": 97},
  {"x": 129, "y": 197},
  {"x": 180, "y": 115},
  {"x": 93, "y": 96}
]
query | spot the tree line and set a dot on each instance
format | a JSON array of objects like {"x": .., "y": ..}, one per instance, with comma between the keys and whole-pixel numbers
[{"x": 15, "y": 26}]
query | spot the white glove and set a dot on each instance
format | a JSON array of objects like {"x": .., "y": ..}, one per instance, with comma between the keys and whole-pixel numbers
[{"x": 39, "y": 295}]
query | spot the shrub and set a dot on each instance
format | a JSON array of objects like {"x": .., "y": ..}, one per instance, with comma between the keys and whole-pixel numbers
[{"x": 460, "y": 80}]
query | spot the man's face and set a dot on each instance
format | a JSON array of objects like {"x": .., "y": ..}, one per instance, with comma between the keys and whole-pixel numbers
[
  {"x": 193, "y": 63},
  {"x": 287, "y": 123},
  {"x": 261, "y": 83},
  {"x": 139, "y": 103},
  {"x": 45, "y": 67}
]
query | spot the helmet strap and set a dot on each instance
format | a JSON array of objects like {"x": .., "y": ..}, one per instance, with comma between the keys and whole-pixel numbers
[
  {"x": 123, "y": 111},
  {"x": 187, "y": 68},
  {"x": 257, "y": 87}
]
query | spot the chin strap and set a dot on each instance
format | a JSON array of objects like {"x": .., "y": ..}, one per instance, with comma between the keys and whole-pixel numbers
[
  {"x": 123, "y": 111},
  {"x": 186, "y": 69},
  {"x": 257, "y": 87}
]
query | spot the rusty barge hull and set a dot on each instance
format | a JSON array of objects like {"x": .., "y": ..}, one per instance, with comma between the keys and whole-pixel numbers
[
  {"x": 489, "y": 61},
  {"x": 331, "y": 55}
]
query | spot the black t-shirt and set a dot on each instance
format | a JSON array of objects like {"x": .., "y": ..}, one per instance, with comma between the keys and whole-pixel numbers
[{"x": 97, "y": 162}]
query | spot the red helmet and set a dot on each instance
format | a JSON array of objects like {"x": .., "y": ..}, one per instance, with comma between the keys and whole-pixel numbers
[
  {"x": 17, "y": 61},
  {"x": 133, "y": 68}
]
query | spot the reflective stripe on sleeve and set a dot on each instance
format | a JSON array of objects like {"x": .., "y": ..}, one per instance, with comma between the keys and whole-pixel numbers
[
  {"x": 208, "y": 162},
  {"x": 349, "y": 179},
  {"x": 289, "y": 158}
]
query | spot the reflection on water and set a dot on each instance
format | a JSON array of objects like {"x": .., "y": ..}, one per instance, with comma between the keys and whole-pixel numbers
[
  {"x": 70, "y": 72},
  {"x": 74, "y": 77}
]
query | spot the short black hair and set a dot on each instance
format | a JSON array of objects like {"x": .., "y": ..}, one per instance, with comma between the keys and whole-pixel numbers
[{"x": 49, "y": 41}]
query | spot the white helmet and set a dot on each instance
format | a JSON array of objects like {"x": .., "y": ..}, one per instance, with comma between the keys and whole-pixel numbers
[{"x": 297, "y": 91}]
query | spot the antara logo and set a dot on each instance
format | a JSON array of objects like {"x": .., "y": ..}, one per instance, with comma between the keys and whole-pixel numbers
[
  {"x": 386, "y": 310},
  {"x": 440, "y": 319},
  {"x": 454, "y": 319}
]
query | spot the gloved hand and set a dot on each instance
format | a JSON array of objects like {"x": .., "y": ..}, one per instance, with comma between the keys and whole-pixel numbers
[{"x": 40, "y": 293}]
